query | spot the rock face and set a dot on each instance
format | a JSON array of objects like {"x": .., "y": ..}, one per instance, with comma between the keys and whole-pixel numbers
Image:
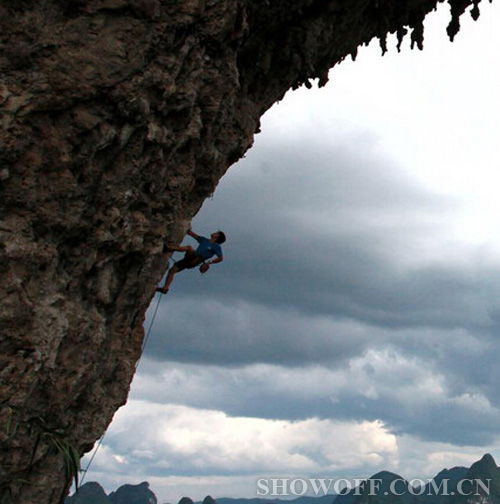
[{"x": 118, "y": 117}]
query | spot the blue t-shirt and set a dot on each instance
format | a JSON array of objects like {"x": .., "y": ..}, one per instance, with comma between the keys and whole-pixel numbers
[{"x": 207, "y": 249}]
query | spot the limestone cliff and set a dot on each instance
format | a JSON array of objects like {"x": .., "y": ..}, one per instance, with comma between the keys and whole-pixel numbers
[{"x": 118, "y": 117}]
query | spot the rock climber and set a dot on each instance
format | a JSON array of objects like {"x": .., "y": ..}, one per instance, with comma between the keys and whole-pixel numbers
[{"x": 207, "y": 248}]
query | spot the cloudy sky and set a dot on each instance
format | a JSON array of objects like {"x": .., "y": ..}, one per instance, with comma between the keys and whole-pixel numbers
[{"x": 353, "y": 325}]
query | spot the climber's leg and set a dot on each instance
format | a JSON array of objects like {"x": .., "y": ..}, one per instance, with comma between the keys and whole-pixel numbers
[
  {"x": 170, "y": 277},
  {"x": 186, "y": 248}
]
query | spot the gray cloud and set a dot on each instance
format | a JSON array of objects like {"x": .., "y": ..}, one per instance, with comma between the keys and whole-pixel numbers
[
  {"x": 331, "y": 240},
  {"x": 426, "y": 395},
  {"x": 234, "y": 333},
  {"x": 332, "y": 252},
  {"x": 297, "y": 258}
]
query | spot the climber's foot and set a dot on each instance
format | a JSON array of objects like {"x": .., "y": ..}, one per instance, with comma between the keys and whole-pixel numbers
[{"x": 163, "y": 290}]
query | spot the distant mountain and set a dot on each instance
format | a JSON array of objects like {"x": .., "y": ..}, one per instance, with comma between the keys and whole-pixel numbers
[
  {"x": 381, "y": 488},
  {"x": 482, "y": 470},
  {"x": 378, "y": 489},
  {"x": 459, "y": 480},
  {"x": 93, "y": 493},
  {"x": 133, "y": 494},
  {"x": 90, "y": 493},
  {"x": 209, "y": 500},
  {"x": 451, "y": 477}
]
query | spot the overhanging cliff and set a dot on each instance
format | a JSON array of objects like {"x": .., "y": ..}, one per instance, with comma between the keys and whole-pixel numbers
[{"x": 118, "y": 118}]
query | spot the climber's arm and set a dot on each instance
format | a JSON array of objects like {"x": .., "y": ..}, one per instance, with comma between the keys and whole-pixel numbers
[
  {"x": 193, "y": 234},
  {"x": 216, "y": 260}
]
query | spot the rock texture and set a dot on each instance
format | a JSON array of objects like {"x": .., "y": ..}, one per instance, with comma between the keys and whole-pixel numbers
[{"x": 117, "y": 119}]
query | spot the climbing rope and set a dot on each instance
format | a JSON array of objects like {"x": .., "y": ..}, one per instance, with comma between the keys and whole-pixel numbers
[
  {"x": 84, "y": 471},
  {"x": 144, "y": 343}
]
